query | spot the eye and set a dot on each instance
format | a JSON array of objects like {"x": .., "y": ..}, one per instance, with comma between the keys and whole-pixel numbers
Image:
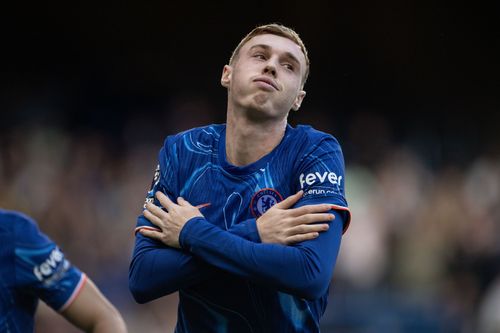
[
  {"x": 289, "y": 67},
  {"x": 259, "y": 56}
]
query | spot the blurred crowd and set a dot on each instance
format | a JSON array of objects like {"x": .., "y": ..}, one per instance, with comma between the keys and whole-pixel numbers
[{"x": 422, "y": 253}]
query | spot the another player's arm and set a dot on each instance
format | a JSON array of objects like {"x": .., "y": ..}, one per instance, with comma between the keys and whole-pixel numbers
[
  {"x": 92, "y": 312},
  {"x": 42, "y": 268}
]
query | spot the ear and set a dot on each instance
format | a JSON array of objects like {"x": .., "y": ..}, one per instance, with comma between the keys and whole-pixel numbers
[
  {"x": 298, "y": 100},
  {"x": 226, "y": 76}
]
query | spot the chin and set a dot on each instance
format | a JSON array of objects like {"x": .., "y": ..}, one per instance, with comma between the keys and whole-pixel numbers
[{"x": 261, "y": 99}]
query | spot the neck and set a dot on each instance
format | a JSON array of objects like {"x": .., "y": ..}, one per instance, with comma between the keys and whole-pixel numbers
[{"x": 248, "y": 141}]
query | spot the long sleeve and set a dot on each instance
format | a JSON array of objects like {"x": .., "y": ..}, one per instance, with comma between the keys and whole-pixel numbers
[
  {"x": 157, "y": 270},
  {"x": 304, "y": 270},
  {"x": 187, "y": 169}
]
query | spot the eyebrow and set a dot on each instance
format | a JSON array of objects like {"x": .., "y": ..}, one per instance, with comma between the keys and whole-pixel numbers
[{"x": 268, "y": 48}]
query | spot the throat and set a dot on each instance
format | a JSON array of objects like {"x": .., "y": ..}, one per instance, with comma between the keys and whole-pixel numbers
[{"x": 246, "y": 147}]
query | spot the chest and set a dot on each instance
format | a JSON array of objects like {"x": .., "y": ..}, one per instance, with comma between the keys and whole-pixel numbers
[{"x": 228, "y": 199}]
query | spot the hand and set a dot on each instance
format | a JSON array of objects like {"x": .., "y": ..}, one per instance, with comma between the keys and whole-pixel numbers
[
  {"x": 284, "y": 225},
  {"x": 171, "y": 221}
]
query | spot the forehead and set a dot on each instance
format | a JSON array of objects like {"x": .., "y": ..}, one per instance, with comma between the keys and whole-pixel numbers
[{"x": 277, "y": 44}]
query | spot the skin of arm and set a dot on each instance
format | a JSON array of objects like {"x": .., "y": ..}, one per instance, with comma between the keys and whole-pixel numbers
[{"x": 93, "y": 313}]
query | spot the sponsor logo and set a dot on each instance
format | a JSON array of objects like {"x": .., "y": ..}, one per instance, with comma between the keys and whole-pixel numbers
[
  {"x": 263, "y": 200},
  {"x": 320, "y": 192},
  {"x": 317, "y": 177},
  {"x": 47, "y": 268}
]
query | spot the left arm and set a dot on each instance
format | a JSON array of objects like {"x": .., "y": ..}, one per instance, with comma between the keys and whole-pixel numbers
[{"x": 304, "y": 269}]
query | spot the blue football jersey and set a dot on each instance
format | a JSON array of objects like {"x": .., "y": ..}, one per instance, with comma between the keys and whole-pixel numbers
[
  {"x": 32, "y": 267},
  {"x": 228, "y": 281}
]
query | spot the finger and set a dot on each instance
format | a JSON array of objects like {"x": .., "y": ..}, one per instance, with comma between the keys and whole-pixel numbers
[
  {"x": 309, "y": 209},
  {"x": 307, "y": 228},
  {"x": 164, "y": 200},
  {"x": 290, "y": 201},
  {"x": 152, "y": 218},
  {"x": 183, "y": 202},
  {"x": 313, "y": 218},
  {"x": 151, "y": 234},
  {"x": 301, "y": 238},
  {"x": 155, "y": 210}
]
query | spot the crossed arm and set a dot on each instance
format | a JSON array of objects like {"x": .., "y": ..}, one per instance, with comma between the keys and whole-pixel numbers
[
  {"x": 303, "y": 269},
  {"x": 280, "y": 224}
]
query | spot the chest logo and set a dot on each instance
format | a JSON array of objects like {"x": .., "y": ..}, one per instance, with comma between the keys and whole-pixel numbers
[{"x": 263, "y": 200}]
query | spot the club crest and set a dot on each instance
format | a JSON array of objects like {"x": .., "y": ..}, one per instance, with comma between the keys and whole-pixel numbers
[{"x": 263, "y": 200}]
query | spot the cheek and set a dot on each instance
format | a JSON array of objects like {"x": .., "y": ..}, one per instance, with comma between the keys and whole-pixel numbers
[
  {"x": 237, "y": 81},
  {"x": 241, "y": 77},
  {"x": 293, "y": 89},
  {"x": 239, "y": 74}
]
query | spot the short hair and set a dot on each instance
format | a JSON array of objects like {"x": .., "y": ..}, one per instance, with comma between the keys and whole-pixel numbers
[{"x": 278, "y": 30}]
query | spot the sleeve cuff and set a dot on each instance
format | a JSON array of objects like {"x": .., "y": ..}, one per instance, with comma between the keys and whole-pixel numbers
[
  {"x": 252, "y": 231},
  {"x": 75, "y": 293},
  {"x": 184, "y": 235}
]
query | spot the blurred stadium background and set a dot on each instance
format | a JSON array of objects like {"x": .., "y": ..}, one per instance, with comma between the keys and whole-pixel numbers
[{"x": 410, "y": 89}]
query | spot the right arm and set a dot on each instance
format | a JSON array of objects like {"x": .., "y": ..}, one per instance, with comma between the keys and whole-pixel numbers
[
  {"x": 92, "y": 312},
  {"x": 42, "y": 268}
]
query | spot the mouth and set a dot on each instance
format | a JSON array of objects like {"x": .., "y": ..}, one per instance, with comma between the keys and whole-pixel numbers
[{"x": 266, "y": 82}]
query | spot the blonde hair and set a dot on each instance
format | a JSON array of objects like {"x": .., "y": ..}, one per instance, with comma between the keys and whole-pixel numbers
[{"x": 278, "y": 30}]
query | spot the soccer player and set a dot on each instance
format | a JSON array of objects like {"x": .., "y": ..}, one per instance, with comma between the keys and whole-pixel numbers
[
  {"x": 32, "y": 267},
  {"x": 245, "y": 218}
]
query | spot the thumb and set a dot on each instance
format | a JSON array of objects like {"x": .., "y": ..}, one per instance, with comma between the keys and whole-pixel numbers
[{"x": 290, "y": 201}]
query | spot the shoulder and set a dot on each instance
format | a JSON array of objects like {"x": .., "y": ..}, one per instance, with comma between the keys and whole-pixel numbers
[
  {"x": 19, "y": 224},
  {"x": 200, "y": 140},
  {"x": 204, "y": 133},
  {"x": 311, "y": 138}
]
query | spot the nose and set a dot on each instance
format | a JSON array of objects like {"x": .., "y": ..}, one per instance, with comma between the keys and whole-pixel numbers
[{"x": 270, "y": 69}]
